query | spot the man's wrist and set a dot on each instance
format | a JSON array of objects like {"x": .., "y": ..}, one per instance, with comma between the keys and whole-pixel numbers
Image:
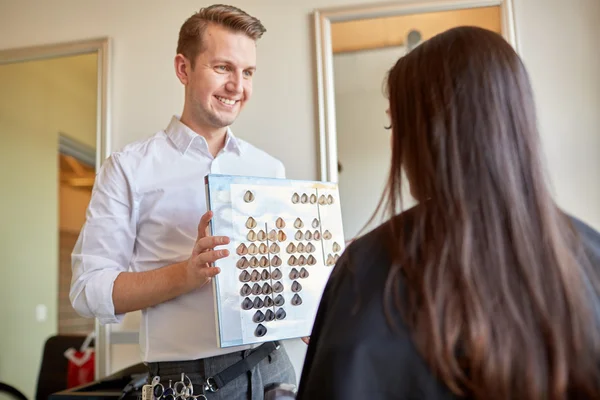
[{"x": 182, "y": 278}]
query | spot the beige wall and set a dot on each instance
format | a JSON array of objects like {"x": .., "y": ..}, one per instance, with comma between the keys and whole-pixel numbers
[
  {"x": 559, "y": 41},
  {"x": 38, "y": 99}
]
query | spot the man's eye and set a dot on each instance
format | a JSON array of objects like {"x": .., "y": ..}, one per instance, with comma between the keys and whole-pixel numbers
[
  {"x": 222, "y": 68},
  {"x": 248, "y": 74}
]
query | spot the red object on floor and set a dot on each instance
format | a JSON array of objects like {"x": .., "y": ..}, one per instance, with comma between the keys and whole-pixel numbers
[{"x": 81, "y": 365}]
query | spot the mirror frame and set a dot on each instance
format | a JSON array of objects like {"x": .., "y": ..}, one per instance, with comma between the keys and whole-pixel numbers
[
  {"x": 100, "y": 46},
  {"x": 323, "y": 18}
]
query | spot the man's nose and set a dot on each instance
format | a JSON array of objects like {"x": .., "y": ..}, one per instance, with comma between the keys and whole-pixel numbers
[{"x": 234, "y": 84}]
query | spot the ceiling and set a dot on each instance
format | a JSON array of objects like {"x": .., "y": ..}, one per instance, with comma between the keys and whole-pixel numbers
[{"x": 74, "y": 173}]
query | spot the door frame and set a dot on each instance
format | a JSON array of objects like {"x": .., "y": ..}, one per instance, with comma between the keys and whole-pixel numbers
[
  {"x": 323, "y": 18},
  {"x": 101, "y": 47}
]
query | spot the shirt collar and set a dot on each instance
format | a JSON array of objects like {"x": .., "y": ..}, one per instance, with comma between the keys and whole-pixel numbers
[{"x": 183, "y": 138}]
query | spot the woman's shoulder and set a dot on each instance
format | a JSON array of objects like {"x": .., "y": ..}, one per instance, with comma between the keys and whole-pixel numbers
[
  {"x": 374, "y": 245},
  {"x": 590, "y": 239},
  {"x": 365, "y": 264}
]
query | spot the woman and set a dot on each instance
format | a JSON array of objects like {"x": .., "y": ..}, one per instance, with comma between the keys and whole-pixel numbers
[{"x": 485, "y": 289}]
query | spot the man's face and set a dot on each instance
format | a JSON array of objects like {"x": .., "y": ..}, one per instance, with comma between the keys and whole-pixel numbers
[{"x": 221, "y": 81}]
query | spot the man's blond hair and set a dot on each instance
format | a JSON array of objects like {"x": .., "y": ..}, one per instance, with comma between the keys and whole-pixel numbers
[{"x": 190, "y": 42}]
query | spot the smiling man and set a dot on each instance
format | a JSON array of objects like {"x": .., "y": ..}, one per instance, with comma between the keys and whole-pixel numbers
[{"x": 144, "y": 244}]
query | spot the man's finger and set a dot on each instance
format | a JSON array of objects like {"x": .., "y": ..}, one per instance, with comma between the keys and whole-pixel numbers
[
  {"x": 211, "y": 272},
  {"x": 208, "y": 243},
  {"x": 203, "y": 224},
  {"x": 209, "y": 257}
]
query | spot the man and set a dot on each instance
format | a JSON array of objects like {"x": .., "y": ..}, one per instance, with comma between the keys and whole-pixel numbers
[{"x": 142, "y": 247}]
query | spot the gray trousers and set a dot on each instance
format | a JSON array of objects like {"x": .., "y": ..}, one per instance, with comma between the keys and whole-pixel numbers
[{"x": 275, "y": 368}]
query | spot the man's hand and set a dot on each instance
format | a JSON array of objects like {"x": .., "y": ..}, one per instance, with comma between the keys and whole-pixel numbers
[
  {"x": 138, "y": 290},
  {"x": 306, "y": 339},
  {"x": 199, "y": 268}
]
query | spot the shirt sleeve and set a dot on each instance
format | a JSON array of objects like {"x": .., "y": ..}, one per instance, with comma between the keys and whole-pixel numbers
[{"x": 105, "y": 244}]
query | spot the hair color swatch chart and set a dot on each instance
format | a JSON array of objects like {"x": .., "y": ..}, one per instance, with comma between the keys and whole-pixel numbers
[{"x": 286, "y": 236}]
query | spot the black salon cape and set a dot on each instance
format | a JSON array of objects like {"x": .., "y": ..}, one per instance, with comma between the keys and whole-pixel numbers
[{"x": 356, "y": 355}]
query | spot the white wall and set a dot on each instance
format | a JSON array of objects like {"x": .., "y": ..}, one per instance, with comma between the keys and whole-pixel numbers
[
  {"x": 559, "y": 38},
  {"x": 560, "y": 42},
  {"x": 363, "y": 144}
]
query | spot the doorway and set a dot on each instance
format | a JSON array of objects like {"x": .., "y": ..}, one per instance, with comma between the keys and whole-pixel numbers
[{"x": 77, "y": 173}]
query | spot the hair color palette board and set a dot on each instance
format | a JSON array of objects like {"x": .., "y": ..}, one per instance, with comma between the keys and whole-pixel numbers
[{"x": 286, "y": 236}]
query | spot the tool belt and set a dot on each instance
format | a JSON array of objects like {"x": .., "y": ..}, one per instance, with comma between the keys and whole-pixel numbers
[
  {"x": 214, "y": 383},
  {"x": 184, "y": 389}
]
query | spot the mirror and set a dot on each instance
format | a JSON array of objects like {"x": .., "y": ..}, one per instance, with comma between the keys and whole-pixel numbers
[
  {"x": 356, "y": 46},
  {"x": 54, "y": 129}
]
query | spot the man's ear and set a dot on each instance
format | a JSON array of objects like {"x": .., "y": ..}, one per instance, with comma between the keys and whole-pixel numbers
[{"x": 182, "y": 68}]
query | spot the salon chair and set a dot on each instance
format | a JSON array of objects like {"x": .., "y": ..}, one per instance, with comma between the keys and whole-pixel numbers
[
  {"x": 11, "y": 392},
  {"x": 53, "y": 370}
]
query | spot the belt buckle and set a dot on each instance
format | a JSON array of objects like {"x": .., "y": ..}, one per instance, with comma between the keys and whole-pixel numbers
[{"x": 211, "y": 385}]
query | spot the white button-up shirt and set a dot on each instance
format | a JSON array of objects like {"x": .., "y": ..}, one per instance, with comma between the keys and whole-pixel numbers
[{"x": 146, "y": 204}]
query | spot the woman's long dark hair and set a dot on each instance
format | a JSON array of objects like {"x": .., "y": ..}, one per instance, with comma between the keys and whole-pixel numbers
[{"x": 499, "y": 293}]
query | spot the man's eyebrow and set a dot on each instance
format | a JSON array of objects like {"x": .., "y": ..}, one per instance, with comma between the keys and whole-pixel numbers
[
  {"x": 227, "y": 61},
  {"x": 221, "y": 61}
]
